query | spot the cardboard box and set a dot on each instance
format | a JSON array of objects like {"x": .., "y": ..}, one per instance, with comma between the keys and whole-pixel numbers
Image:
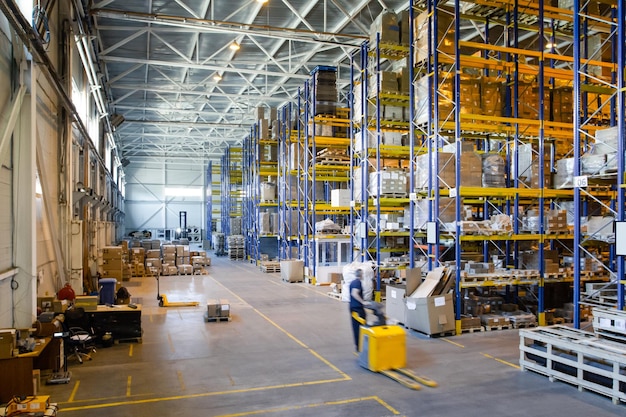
[
  {"x": 7, "y": 343},
  {"x": 59, "y": 306},
  {"x": 218, "y": 308},
  {"x": 335, "y": 277},
  {"x": 292, "y": 271},
  {"x": 45, "y": 303},
  {"x": 431, "y": 315},
  {"x": 112, "y": 252},
  {"x": 88, "y": 302},
  {"x": 111, "y": 263},
  {"x": 340, "y": 198},
  {"x": 395, "y": 303}
]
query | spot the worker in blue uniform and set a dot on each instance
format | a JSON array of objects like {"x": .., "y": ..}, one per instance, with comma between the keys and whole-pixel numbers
[{"x": 357, "y": 304}]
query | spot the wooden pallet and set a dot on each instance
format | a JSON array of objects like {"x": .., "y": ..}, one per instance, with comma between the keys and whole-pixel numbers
[
  {"x": 216, "y": 319},
  {"x": 473, "y": 329},
  {"x": 269, "y": 267},
  {"x": 500, "y": 327},
  {"x": 335, "y": 295},
  {"x": 524, "y": 325}
]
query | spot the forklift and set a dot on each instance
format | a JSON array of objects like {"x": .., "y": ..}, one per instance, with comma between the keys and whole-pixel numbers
[{"x": 382, "y": 349}]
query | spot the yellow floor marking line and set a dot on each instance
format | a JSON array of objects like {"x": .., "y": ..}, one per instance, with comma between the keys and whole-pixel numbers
[
  {"x": 128, "y": 385},
  {"x": 325, "y": 404},
  {"x": 74, "y": 391},
  {"x": 500, "y": 360},
  {"x": 275, "y": 283},
  {"x": 130, "y": 350},
  {"x": 445, "y": 339},
  {"x": 181, "y": 380},
  {"x": 292, "y": 337},
  {"x": 199, "y": 395},
  {"x": 171, "y": 342}
]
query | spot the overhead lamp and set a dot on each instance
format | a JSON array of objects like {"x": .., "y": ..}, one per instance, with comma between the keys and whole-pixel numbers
[
  {"x": 234, "y": 46},
  {"x": 550, "y": 45},
  {"x": 217, "y": 77},
  {"x": 261, "y": 1}
]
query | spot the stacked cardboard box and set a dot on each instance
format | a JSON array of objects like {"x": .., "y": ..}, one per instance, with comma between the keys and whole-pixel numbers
[
  {"x": 445, "y": 33},
  {"x": 562, "y": 101},
  {"x": 556, "y": 221},
  {"x": 388, "y": 83},
  {"x": 385, "y": 28},
  {"x": 491, "y": 90},
  {"x": 528, "y": 101},
  {"x": 169, "y": 255},
  {"x": 218, "y": 308},
  {"x": 471, "y": 170},
  {"x": 494, "y": 171},
  {"x": 325, "y": 90},
  {"x": 112, "y": 264},
  {"x": 182, "y": 255}
]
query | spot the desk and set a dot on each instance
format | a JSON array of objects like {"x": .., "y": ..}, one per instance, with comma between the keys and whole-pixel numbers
[
  {"x": 121, "y": 321},
  {"x": 17, "y": 372}
]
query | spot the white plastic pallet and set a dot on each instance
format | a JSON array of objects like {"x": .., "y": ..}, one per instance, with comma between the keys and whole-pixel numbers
[{"x": 577, "y": 357}]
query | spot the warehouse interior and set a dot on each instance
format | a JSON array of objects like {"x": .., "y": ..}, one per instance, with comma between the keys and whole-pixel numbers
[{"x": 206, "y": 180}]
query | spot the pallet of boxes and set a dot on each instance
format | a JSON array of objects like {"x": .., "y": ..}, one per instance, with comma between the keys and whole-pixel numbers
[
  {"x": 153, "y": 262},
  {"x": 169, "y": 260},
  {"x": 137, "y": 262},
  {"x": 199, "y": 262},
  {"x": 112, "y": 262},
  {"x": 183, "y": 261},
  {"x": 218, "y": 310}
]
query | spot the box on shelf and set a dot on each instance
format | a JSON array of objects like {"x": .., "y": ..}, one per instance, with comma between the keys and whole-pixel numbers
[
  {"x": 387, "y": 28},
  {"x": 340, "y": 198}
]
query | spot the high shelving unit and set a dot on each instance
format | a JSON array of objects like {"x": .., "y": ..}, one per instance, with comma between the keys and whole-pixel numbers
[
  {"x": 231, "y": 192},
  {"x": 510, "y": 56},
  {"x": 313, "y": 161},
  {"x": 384, "y": 148},
  {"x": 260, "y": 217}
]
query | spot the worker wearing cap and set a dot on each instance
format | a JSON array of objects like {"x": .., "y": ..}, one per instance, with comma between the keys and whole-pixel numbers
[{"x": 357, "y": 304}]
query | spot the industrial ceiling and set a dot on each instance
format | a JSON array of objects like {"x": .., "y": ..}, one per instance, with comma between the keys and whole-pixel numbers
[{"x": 186, "y": 75}]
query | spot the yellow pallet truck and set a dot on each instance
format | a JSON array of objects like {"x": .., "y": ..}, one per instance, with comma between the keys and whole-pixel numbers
[
  {"x": 382, "y": 349},
  {"x": 163, "y": 301}
]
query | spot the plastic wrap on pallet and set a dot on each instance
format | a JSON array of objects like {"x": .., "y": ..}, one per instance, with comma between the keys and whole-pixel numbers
[
  {"x": 349, "y": 274},
  {"x": 387, "y": 27},
  {"x": 392, "y": 138},
  {"x": 601, "y": 228},
  {"x": 264, "y": 223},
  {"x": 327, "y": 226},
  {"x": 592, "y": 164},
  {"x": 386, "y": 182},
  {"x": 447, "y": 212},
  {"x": 494, "y": 172},
  {"x": 268, "y": 191},
  {"x": 606, "y": 141},
  {"x": 274, "y": 225}
]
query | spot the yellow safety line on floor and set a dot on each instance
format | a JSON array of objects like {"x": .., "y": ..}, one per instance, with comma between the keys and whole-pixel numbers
[
  {"x": 292, "y": 337},
  {"x": 199, "y": 395},
  {"x": 74, "y": 391},
  {"x": 171, "y": 342},
  {"x": 181, "y": 380},
  {"x": 128, "y": 385},
  {"x": 130, "y": 350},
  {"x": 325, "y": 404},
  {"x": 500, "y": 360},
  {"x": 445, "y": 339}
]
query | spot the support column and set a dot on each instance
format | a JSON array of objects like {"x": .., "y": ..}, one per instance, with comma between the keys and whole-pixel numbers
[{"x": 24, "y": 285}]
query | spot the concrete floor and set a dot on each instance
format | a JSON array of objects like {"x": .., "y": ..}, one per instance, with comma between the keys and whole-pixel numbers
[{"x": 288, "y": 352}]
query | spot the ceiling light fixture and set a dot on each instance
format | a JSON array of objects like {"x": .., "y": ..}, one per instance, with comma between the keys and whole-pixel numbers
[
  {"x": 217, "y": 77},
  {"x": 234, "y": 46},
  {"x": 261, "y": 1}
]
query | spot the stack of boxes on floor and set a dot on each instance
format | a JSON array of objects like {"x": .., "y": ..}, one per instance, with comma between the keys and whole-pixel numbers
[{"x": 112, "y": 262}]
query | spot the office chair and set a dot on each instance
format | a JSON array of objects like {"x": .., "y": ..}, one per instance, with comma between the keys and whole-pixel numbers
[{"x": 81, "y": 339}]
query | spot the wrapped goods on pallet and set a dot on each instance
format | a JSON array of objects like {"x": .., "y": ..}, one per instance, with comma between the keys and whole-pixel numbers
[
  {"x": 405, "y": 27},
  {"x": 185, "y": 269},
  {"x": 269, "y": 153},
  {"x": 235, "y": 225},
  {"x": 529, "y": 162},
  {"x": 296, "y": 156},
  {"x": 268, "y": 191},
  {"x": 471, "y": 170},
  {"x": 392, "y": 138},
  {"x": 564, "y": 177},
  {"x": 264, "y": 223},
  {"x": 385, "y": 28},
  {"x": 388, "y": 182},
  {"x": 600, "y": 228},
  {"x": 528, "y": 101},
  {"x": 364, "y": 139},
  {"x": 274, "y": 224},
  {"x": 494, "y": 171},
  {"x": 445, "y": 33},
  {"x": 606, "y": 141},
  {"x": 394, "y": 113},
  {"x": 562, "y": 102},
  {"x": 421, "y": 209},
  {"x": 491, "y": 91},
  {"x": 321, "y": 129},
  {"x": 592, "y": 164},
  {"x": 384, "y": 82}
]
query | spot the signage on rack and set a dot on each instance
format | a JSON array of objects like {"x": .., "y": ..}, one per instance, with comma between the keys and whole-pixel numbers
[
  {"x": 581, "y": 181},
  {"x": 452, "y": 192}
]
